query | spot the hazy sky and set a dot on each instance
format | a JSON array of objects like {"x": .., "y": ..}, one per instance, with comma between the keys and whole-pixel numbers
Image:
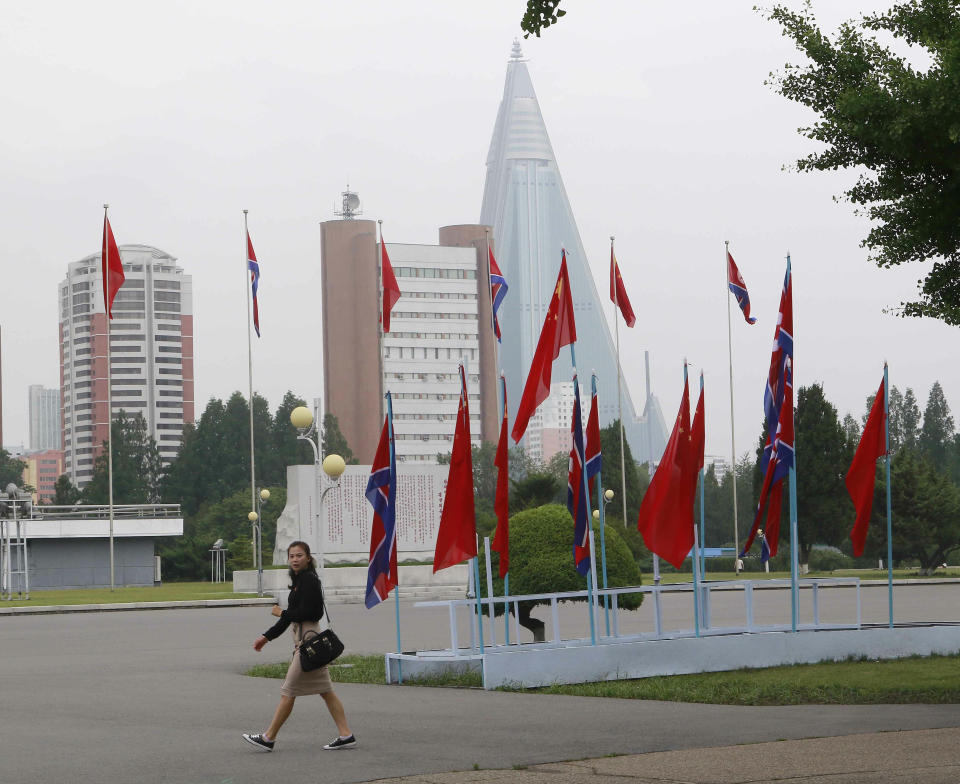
[{"x": 181, "y": 114}]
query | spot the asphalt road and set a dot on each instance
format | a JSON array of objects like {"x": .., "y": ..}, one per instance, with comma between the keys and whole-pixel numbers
[{"x": 160, "y": 696}]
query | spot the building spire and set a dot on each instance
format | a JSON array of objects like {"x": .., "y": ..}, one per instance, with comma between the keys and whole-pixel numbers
[{"x": 516, "y": 54}]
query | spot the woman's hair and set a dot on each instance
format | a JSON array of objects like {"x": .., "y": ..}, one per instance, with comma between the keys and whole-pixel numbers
[{"x": 311, "y": 561}]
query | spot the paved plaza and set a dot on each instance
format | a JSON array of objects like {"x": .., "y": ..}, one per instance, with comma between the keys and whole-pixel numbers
[{"x": 160, "y": 696}]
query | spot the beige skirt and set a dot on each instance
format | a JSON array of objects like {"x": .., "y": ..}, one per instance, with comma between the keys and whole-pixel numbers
[{"x": 299, "y": 683}]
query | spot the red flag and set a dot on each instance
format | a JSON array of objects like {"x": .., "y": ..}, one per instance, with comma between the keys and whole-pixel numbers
[
  {"x": 618, "y": 294},
  {"x": 862, "y": 475},
  {"x": 666, "y": 514},
  {"x": 559, "y": 330},
  {"x": 501, "y": 503},
  {"x": 593, "y": 456},
  {"x": 111, "y": 268},
  {"x": 457, "y": 537},
  {"x": 391, "y": 289},
  {"x": 698, "y": 438}
]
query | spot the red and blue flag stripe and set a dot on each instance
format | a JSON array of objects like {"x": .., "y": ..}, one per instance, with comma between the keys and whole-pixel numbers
[{"x": 382, "y": 494}]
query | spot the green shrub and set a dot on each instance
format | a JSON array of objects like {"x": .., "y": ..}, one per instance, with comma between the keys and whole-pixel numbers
[
  {"x": 829, "y": 559},
  {"x": 541, "y": 557}
]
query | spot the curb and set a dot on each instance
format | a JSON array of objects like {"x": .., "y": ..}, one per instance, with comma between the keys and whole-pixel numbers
[{"x": 188, "y": 604}]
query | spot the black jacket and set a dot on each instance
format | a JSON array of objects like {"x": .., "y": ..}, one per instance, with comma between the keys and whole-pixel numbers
[{"x": 305, "y": 604}]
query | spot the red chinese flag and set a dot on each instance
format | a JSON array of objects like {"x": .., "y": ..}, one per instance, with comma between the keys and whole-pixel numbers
[
  {"x": 111, "y": 267},
  {"x": 391, "y": 289},
  {"x": 618, "y": 294},
  {"x": 861, "y": 478},
  {"x": 501, "y": 503},
  {"x": 666, "y": 514},
  {"x": 457, "y": 536},
  {"x": 698, "y": 438},
  {"x": 559, "y": 330}
]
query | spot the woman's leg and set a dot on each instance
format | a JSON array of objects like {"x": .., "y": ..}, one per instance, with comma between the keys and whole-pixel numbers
[
  {"x": 337, "y": 712},
  {"x": 280, "y": 715}
]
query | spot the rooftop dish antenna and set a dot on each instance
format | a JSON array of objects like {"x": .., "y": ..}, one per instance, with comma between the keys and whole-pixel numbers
[{"x": 350, "y": 205}]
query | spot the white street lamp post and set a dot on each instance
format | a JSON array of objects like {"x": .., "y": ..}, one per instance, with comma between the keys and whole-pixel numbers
[
  {"x": 256, "y": 519},
  {"x": 332, "y": 465}
]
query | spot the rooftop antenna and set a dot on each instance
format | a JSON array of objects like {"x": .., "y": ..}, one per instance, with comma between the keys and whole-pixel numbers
[{"x": 350, "y": 205}]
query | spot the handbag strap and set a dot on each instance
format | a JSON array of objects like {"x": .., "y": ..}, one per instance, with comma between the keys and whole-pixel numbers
[{"x": 323, "y": 601}]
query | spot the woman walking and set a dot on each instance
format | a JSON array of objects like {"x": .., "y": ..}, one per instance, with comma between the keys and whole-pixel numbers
[{"x": 304, "y": 610}]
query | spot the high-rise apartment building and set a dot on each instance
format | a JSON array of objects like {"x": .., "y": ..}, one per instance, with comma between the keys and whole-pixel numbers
[
  {"x": 151, "y": 348},
  {"x": 549, "y": 429},
  {"x": 441, "y": 319},
  {"x": 44, "y": 418},
  {"x": 42, "y": 471},
  {"x": 525, "y": 202}
]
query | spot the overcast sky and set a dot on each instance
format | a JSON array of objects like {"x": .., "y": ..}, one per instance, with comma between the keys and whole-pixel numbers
[{"x": 182, "y": 114}]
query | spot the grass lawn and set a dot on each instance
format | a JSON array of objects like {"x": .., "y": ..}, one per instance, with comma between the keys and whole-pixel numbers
[
  {"x": 168, "y": 592},
  {"x": 356, "y": 668},
  {"x": 918, "y": 679},
  {"x": 934, "y": 679}
]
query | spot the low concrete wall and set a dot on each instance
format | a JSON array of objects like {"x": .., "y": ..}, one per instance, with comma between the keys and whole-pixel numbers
[
  {"x": 57, "y": 564},
  {"x": 349, "y": 583},
  {"x": 643, "y": 659}
]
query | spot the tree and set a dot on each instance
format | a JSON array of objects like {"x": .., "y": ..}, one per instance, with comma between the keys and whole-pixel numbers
[
  {"x": 187, "y": 557},
  {"x": 926, "y": 511},
  {"x": 824, "y": 509},
  {"x": 539, "y": 15},
  {"x": 536, "y": 490},
  {"x": 851, "y": 429},
  {"x": 137, "y": 465},
  {"x": 936, "y": 436},
  {"x": 897, "y": 125},
  {"x": 334, "y": 442},
  {"x": 214, "y": 457},
  {"x": 288, "y": 449},
  {"x": 558, "y": 467},
  {"x": 65, "y": 493},
  {"x": 541, "y": 561},
  {"x": 637, "y": 478},
  {"x": 11, "y": 470}
]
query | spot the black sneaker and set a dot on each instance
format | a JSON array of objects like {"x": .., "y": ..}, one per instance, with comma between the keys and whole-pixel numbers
[
  {"x": 339, "y": 743},
  {"x": 259, "y": 741}
]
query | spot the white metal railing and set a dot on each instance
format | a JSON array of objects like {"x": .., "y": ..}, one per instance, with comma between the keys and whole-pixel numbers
[
  {"x": 102, "y": 511},
  {"x": 702, "y": 626}
]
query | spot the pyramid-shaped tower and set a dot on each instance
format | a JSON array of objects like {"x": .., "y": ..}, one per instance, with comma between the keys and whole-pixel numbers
[{"x": 526, "y": 204}]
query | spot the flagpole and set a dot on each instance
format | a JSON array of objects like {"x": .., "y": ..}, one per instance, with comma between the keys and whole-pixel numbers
[
  {"x": 623, "y": 461},
  {"x": 591, "y": 583},
  {"x": 246, "y": 285},
  {"x": 379, "y": 267},
  {"x": 733, "y": 447},
  {"x": 697, "y": 550},
  {"x": 506, "y": 577},
  {"x": 600, "y": 514},
  {"x": 396, "y": 588},
  {"x": 478, "y": 592},
  {"x": 886, "y": 420},
  {"x": 502, "y": 397},
  {"x": 105, "y": 271},
  {"x": 794, "y": 537}
]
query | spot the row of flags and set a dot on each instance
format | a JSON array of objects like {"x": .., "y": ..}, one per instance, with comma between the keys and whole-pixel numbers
[
  {"x": 456, "y": 537},
  {"x": 663, "y": 519}
]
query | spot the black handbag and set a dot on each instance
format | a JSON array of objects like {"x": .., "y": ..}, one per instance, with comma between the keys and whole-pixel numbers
[{"x": 318, "y": 649}]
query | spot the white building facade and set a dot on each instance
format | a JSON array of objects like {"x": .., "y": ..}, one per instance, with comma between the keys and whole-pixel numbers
[
  {"x": 433, "y": 327},
  {"x": 151, "y": 347},
  {"x": 44, "y": 418}
]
